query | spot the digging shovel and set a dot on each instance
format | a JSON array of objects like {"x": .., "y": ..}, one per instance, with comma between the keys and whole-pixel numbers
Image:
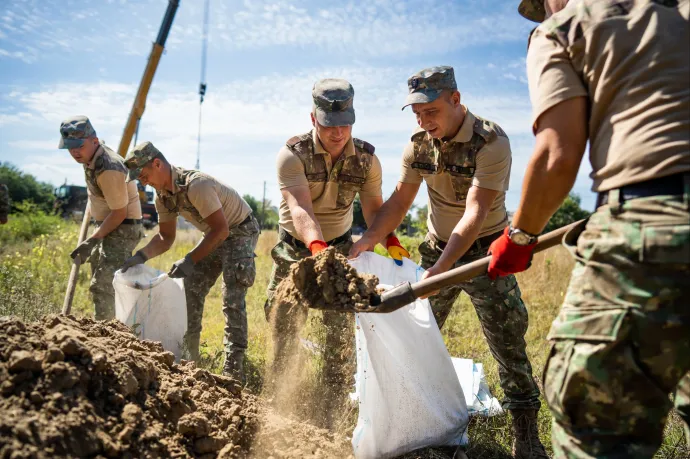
[{"x": 405, "y": 293}]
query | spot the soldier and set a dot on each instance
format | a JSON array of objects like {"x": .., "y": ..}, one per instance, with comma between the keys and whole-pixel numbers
[
  {"x": 319, "y": 174},
  {"x": 230, "y": 236},
  {"x": 114, "y": 205},
  {"x": 4, "y": 203},
  {"x": 614, "y": 73},
  {"x": 465, "y": 162}
]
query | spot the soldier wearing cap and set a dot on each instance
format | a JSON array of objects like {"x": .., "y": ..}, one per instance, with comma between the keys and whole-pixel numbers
[
  {"x": 319, "y": 174},
  {"x": 616, "y": 74},
  {"x": 465, "y": 161},
  {"x": 230, "y": 236},
  {"x": 114, "y": 205},
  {"x": 4, "y": 203}
]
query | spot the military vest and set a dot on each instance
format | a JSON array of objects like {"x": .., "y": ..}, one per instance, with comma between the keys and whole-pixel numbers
[
  {"x": 459, "y": 159},
  {"x": 350, "y": 172},
  {"x": 179, "y": 202},
  {"x": 108, "y": 160}
]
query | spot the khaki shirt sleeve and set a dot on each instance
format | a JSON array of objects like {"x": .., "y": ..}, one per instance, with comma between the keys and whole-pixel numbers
[
  {"x": 407, "y": 174},
  {"x": 551, "y": 75},
  {"x": 493, "y": 165},
  {"x": 372, "y": 184},
  {"x": 164, "y": 215},
  {"x": 114, "y": 188},
  {"x": 290, "y": 169},
  {"x": 202, "y": 194}
]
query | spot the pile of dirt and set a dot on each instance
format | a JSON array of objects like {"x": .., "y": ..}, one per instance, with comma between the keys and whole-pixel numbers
[
  {"x": 326, "y": 281},
  {"x": 75, "y": 387}
]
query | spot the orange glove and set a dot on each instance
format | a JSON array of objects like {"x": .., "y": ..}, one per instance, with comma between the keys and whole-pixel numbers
[
  {"x": 317, "y": 246},
  {"x": 396, "y": 250}
]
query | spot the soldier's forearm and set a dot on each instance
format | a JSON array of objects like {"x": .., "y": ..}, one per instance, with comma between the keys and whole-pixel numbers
[
  {"x": 388, "y": 217},
  {"x": 208, "y": 244},
  {"x": 306, "y": 226},
  {"x": 157, "y": 245},
  {"x": 462, "y": 238},
  {"x": 110, "y": 223}
]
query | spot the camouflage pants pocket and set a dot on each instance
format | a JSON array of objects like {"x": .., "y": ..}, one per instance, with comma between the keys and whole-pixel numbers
[
  {"x": 245, "y": 272},
  {"x": 666, "y": 244}
]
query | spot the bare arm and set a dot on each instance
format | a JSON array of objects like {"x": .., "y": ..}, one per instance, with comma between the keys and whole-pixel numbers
[
  {"x": 561, "y": 139},
  {"x": 219, "y": 232},
  {"x": 298, "y": 199},
  {"x": 478, "y": 204},
  {"x": 161, "y": 242},
  {"x": 110, "y": 223},
  {"x": 388, "y": 217}
]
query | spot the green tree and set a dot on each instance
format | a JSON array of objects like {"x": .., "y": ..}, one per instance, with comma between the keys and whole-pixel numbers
[
  {"x": 420, "y": 222},
  {"x": 267, "y": 214},
  {"x": 569, "y": 212},
  {"x": 358, "y": 221},
  {"x": 25, "y": 187}
]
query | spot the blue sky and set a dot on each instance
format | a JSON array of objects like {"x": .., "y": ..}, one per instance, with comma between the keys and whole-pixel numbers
[{"x": 59, "y": 58}]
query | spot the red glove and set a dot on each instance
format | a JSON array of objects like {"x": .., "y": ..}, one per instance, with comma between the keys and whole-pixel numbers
[
  {"x": 317, "y": 246},
  {"x": 507, "y": 257}
]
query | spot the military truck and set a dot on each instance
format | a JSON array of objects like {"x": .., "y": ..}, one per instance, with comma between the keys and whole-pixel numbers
[{"x": 70, "y": 202}]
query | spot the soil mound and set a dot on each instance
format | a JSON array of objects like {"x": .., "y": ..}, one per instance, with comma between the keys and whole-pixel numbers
[
  {"x": 73, "y": 387},
  {"x": 326, "y": 281}
]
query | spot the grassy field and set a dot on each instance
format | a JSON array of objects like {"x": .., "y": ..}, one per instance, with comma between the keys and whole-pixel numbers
[{"x": 34, "y": 269}]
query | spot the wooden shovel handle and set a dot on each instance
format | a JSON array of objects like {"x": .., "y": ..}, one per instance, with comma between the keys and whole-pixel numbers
[{"x": 479, "y": 267}]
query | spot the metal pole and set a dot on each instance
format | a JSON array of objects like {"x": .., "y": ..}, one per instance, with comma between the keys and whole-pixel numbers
[{"x": 72, "y": 282}]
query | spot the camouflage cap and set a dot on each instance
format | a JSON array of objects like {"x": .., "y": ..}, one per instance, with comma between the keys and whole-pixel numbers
[
  {"x": 74, "y": 130},
  {"x": 426, "y": 85},
  {"x": 138, "y": 157},
  {"x": 532, "y": 10},
  {"x": 333, "y": 99}
]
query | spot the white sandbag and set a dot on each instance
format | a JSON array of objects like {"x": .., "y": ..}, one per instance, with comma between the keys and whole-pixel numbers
[
  {"x": 154, "y": 303},
  {"x": 409, "y": 393}
]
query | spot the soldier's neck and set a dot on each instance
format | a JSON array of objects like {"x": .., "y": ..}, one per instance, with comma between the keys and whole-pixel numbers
[
  {"x": 168, "y": 185},
  {"x": 456, "y": 125}
]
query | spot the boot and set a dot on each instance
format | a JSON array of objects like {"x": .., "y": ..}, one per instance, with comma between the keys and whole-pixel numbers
[
  {"x": 234, "y": 365},
  {"x": 190, "y": 349},
  {"x": 525, "y": 428}
]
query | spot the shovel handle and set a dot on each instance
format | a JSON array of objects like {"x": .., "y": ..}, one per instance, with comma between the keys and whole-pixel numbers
[{"x": 391, "y": 299}]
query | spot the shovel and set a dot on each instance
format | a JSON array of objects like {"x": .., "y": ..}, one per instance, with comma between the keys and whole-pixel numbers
[{"x": 405, "y": 293}]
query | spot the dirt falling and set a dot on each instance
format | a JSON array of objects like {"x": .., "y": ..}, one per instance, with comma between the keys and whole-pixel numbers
[
  {"x": 72, "y": 387},
  {"x": 326, "y": 281}
]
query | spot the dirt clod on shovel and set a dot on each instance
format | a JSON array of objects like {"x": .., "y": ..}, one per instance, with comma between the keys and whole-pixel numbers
[
  {"x": 73, "y": 387},
  {"x": 326, "y": 281}
]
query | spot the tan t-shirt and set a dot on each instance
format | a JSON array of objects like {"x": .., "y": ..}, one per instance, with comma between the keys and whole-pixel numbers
[
  {"x": 200, "y": 197},
  {"x": 116, "y": 192},
  {"x": 492, "y": 172},
  {"x": 631, "y": 61},
  {"x": 334, "y": 219}
]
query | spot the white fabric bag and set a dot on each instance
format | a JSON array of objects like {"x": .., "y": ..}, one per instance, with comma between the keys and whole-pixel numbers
[
  {"x": 409, "y": 393},
  {"x": 155, "y": 303}
]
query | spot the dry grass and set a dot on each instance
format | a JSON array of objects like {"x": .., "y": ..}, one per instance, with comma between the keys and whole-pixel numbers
[{"x": 42, "y": 267}]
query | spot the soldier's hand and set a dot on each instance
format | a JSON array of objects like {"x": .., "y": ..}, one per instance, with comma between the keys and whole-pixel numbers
[
  {"x": 507, "y": 257},
  {"x": 137, "y": 259},
  {"x": 396, "y": 250},
  {"x": 83, "y": 250},
  {"x": 361, "y": 246},
  {"x": 182, "y": 268}
]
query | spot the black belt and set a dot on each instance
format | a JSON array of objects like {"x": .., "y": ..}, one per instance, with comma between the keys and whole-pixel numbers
[
  {"x": 126, "y": 221},
  {"x": 247, "y": 220},
  {"x": 285, "y": 237},
  {"x": 671, "y": 185},
  {"x": 479, "y": 244}
]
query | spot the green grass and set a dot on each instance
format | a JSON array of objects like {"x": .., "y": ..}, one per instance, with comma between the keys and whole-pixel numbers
[{"x": 33, "y": 276}]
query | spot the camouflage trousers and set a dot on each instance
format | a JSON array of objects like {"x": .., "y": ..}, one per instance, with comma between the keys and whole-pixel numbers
[
  {"x": 338, "y": 339},
  {"x": 503, "y": 318},
  {"x": 621, "y": 342},
  {"x": 234, "y": 259},
  {"x": 107, "y": 257}
]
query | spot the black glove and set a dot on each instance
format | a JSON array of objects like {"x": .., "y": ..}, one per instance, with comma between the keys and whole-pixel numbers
[
  {"x": 137, "y": 259},
  {"x": 83, "y": 250},
  {"x": 182, "y": 268}
]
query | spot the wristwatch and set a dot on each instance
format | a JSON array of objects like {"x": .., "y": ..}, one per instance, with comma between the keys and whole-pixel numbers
[{"x": 519, "y": 237}]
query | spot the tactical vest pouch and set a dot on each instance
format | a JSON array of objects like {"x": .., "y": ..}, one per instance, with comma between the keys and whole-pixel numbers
[{"x": 347, "y": 192}]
